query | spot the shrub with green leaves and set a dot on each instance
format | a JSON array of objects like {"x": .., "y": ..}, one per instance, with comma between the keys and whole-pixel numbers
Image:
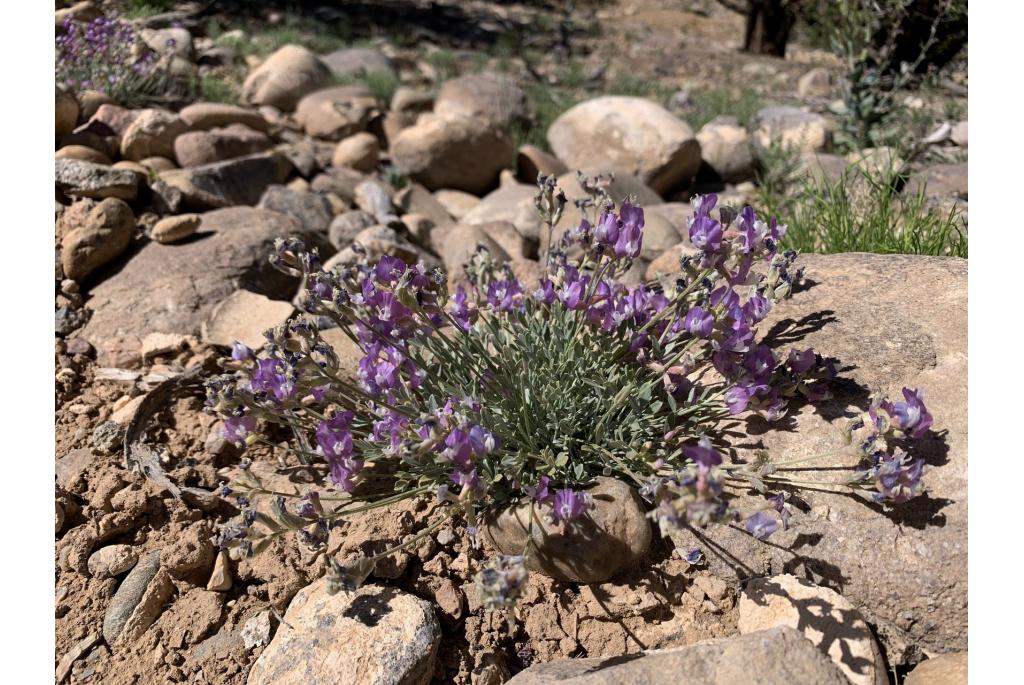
[{"x": 486, "y": 395}]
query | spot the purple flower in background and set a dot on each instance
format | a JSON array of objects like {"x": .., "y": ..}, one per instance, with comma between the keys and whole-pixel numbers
[
  {"x": 910, "y": 416},
  {"x": 237, "y": 429},
  {"x": 699, "y": 322},
  {"x": 389, "y": 269},
  {"x": 761, "y": 525},
  {"x": 568, "y": 505},
  {"x": 468, "y": 479},
  {"x": 241, "y": 352},
  {"x": 703, "y": 453}
]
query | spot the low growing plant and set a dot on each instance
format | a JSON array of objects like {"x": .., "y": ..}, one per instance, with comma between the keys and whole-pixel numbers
[
  {"x": 108, "y": 56},
  {"x": 488, "y": 395}
]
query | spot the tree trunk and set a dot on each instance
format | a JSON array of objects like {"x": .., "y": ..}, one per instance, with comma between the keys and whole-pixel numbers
[{"x": 768, "y": 25}]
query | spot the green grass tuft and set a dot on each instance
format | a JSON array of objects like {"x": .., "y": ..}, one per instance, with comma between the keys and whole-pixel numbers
[{"x": 861, "y": 211}]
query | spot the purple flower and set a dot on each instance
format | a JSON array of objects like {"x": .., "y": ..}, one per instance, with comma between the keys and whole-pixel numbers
[
  {"x": 546, "y": 292},
  {"x": 504, "y": 296},
  {"x": 737, "y": 398},
  {"x": 761, "y": 525},
  {"x": 897, "y": 480},
  {"x": 241, "y": 352},
  {"x": 460, "y": 310},
  {"x": 779, "y": 502},
  {"x": 268, "y": 378},
  {"x": 571, "y": 294},
  {"x": 801, "y": 362},
  {"x": 703, "y": 453},
  {"x": 703, "y": 204},
  {"x": 482, "y": 440},
  {"x": 468, "y": 479},
  {"x": 607, "y": 231},
  {"x": 568, "y": 505},
  {"x": 542, "y": 491},
  {"x": 631, "y": 234},
  {"x": 237, "y": 428},
  {"x": 694, "y": 557},
  {"x": 910, "y": 416},
  {"x": 706, "y": 234},
  {"x": 335, "y": 436},
  {"x": 756, "y": 308},
  {"x": 699, "y": 322}
]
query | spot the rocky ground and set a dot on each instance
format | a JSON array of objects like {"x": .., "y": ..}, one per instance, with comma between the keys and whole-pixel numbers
[{"x": 164, "y": 219}]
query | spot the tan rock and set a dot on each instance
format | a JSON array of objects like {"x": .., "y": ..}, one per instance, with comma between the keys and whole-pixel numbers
[
  {"x": 816, "y": 83},
  {"x": 220, "y": 578},
  {"x": 456, "y": 202},
  {"x": 725, "y": 147},
  {"x": 792, "y": 127},
  {"x": 493, "y": 98},
  {"x": 158, "y": 164},
  {"x": 628, "y": 133},
  {"x": 461, "y": 242},
  {"x": 89, "y": 101},
  {"x": 942, "y": 669},
  {"x": 112, "y": 560},
  {"x": 284, "y": 78},
  {"x": 174, "y": 228},
  {"x": 196, "y": 148},
  {"x": 93, "y": 234},
  {"x": 959, "y": 133},
  {"x": 462, "y": 154},
  {"x": 614, "y": 535},
  {"x": 415, "y": 199},
  {"x": 892, "y": 321},
  {"x": 360, "y": 152},
  {"x": 66, "y": 112},
  {"x": 373, "y": 636},
  {"x": 243, "y": 317},
  {"x": 129, "y": 165},
  {"x": 667, "y": 263},
  {"x": 152, "y": 134},
  {"x": 822, "y": 615},
  {"x": 86, "y": 154},
  {"x": 202, "y": 116},
  {"x": 531, "y": 161},
  {"x": 337, "y": 112},
  {"x": 774, "y": 656}
]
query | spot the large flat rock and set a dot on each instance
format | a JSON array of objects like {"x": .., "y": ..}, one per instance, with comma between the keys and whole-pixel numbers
[
  {"x": 173, "y": 288},
  {"x": 891, "y": 321}
]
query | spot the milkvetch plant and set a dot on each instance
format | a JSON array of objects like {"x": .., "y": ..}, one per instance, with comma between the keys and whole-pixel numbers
[{"x": 490, "y": 393}]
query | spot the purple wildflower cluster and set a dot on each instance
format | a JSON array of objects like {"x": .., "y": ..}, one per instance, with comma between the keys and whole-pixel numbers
[
  {"x": 629, "y": 377},
  {"x": 105, "y": 55},
  {"x": 895, "y": 476}
]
